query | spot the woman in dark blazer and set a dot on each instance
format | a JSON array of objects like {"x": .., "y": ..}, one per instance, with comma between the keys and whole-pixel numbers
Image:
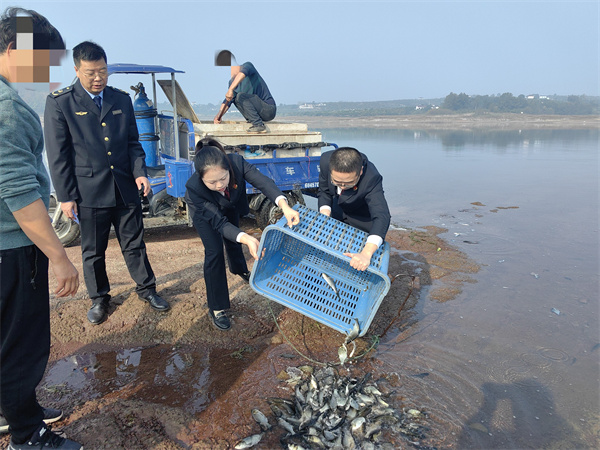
[{"x": 216, "y": 197}]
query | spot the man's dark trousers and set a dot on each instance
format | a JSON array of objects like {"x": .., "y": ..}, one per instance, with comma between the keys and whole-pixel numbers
[
  {"x": 25, "y": 337},
  {"x": 95, "y": 226},
  {"x": 254, "y": 109}
]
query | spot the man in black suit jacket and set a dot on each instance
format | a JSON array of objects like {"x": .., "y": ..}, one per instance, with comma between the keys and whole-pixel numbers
[
  {"x": 97, "y": 166},
  {"x": 351, "y": 190}
]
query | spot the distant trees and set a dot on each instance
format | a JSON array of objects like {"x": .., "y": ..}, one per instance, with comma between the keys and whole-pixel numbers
[
  {"x": 453, "y": 103},
  {"x": 457, "y": 103},
  {"x": 460, "y": 102},
  {"x": 534, "y": 104}
]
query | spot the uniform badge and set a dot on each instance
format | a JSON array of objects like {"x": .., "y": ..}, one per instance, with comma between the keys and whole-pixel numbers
[
  {"x": 81, "y": 113},
  {"x": 117, "y": 111},
  {"x": 120, "y": 90},
  {"x": 61, "y": 91}
]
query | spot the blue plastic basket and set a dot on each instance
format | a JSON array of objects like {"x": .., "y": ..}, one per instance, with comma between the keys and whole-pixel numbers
[{"x": 290, "y": 272}]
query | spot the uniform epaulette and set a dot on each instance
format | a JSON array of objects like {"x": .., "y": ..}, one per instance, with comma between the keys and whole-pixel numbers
[
  {"x": 119, "y": 90},
  {"x": 62, "y": 91}
]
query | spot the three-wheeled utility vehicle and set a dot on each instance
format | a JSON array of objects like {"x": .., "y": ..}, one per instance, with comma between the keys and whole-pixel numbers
[{"x": 288, "y": 153}]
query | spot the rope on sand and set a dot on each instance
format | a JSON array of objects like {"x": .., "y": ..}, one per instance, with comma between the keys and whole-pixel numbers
[
  {"x": 375, "y": 339},
  {"x": 314, "y": 361}
]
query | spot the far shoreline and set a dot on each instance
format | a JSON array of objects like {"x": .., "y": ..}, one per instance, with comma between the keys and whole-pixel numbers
[{"x": 470, "y": 121}]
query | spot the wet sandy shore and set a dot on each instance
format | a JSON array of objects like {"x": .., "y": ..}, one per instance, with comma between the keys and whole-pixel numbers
[{"x": 145, "y": 379}]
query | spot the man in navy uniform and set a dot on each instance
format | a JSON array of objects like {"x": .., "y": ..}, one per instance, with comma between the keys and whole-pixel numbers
[
  {"x": 97, "y": 166},
  {"x": 351, "y": 190}
]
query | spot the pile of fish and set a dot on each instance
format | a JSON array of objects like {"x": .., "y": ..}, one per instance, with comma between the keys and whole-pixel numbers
[{"x": 335, "y": 412}]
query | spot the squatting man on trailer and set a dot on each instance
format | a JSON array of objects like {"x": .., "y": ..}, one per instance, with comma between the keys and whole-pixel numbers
[{"x": 248, "y": 92}]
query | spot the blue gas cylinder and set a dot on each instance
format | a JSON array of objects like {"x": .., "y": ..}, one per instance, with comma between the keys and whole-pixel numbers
[{"x": 145, "y": 112}]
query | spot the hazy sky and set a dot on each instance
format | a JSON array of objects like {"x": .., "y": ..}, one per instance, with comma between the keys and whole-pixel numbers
[{"x": 328, "y": 51}]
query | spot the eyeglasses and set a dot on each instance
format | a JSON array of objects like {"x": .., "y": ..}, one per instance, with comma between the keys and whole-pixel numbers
[
  {"x": 102, "y": 73},
  {"x": 345, "y": 184}
]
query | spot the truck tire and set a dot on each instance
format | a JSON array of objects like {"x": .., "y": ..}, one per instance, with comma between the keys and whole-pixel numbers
[
  {"x": 269, "y": 213},
  {"x": 66, "y": 230}
]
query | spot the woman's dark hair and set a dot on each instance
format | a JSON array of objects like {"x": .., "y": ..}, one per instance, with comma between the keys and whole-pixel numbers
[{"x": 210, "y": 153}]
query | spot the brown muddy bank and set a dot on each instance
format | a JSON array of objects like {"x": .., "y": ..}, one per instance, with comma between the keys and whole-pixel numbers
[
  {"x": 171, "y": 380},
  {"x": 452, "y": 122}
]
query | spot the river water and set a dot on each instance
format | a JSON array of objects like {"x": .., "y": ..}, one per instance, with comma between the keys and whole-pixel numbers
[{"x": 513, "y": 361}]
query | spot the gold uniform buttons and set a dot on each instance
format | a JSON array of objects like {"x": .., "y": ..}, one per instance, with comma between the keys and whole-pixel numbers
[
  {"x": 106, "y": 138},
  {"x": 109, "y": 153},
  {"x": 103, "y": 124},
  {"x": 112, "y": 167}
]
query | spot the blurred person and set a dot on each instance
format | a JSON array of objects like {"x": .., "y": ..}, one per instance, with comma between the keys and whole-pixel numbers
[
  {"x": 351, "y": 190},
  {"x": 248, "y": 92},
  {"x": 216, "y": 196},
  {"x": 97, "y": 166},
  {"x": 29, "y": 45}
]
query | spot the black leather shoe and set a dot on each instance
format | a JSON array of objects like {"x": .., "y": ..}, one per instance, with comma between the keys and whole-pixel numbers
[
  {"x": 156, "y": 301},
  {"x": 245, "y": 277},
  {"x": 98, "y": 313},
  {"x": 221, "y": 320}
]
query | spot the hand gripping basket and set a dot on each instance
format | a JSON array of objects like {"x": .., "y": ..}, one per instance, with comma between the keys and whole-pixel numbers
[{"x": 290, "y": 272}]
